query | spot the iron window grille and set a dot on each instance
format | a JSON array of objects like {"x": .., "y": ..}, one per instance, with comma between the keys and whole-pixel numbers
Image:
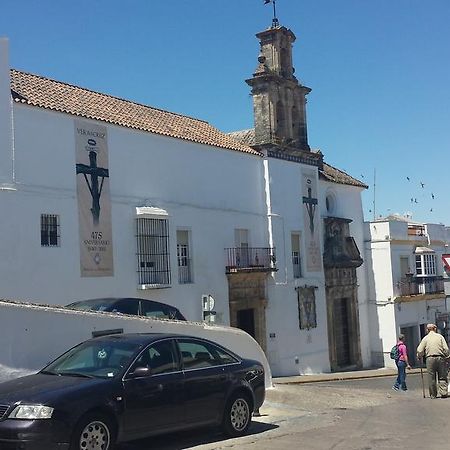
[
  {"x": 426, "y": 264},
  {"x": 153, "y": 262},
  {"x": 50, "y": 230},
  {"x": 296, "y": 265},
  {"x": 184, "y": 264}
]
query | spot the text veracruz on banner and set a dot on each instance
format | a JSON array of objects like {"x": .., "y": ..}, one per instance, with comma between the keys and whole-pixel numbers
[{"x": 94, "y": 201}]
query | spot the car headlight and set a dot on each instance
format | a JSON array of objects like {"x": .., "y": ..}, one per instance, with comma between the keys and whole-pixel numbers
[{"x": 31, "y": 412}]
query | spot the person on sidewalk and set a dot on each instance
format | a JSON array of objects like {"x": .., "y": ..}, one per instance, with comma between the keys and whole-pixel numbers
[
  {"x": 402, "y": 364},
  {"x": 436, "y": 351}
]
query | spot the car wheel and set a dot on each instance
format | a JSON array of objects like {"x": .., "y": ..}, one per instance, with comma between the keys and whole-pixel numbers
[
  {"x": 93, "y": 432},
  {"x": 237, "y": 416}
]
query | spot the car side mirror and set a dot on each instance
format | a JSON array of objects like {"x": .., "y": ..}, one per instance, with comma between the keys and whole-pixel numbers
[{"x": 140, "y": 372}]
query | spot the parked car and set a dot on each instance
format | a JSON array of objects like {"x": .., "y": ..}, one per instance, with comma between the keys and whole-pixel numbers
[
  {"x": 129, "y": 305},
  {"x": 123, "y": 387}
]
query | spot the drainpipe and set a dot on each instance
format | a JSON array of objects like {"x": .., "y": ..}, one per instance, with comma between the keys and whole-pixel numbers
[
  {"x": 6, "y": 121},
  {"x": 270, "y": 216}
]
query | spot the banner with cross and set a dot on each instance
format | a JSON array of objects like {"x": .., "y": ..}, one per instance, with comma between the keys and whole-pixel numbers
[
  {"x": 311, "y": 221},
  {"x": 94, "y": 203}
]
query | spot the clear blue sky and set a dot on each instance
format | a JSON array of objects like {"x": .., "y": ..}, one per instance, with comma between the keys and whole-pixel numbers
[{"x": 379, "y": 73}]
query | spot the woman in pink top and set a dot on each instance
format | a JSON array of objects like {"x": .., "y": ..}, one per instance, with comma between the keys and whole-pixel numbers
[{"x": 402, "y": 364}]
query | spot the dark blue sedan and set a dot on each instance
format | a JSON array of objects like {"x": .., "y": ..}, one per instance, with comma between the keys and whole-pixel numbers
[{"x": 129, "y": 386}]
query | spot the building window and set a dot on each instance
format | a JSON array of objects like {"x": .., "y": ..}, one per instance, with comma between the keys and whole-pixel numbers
[
  {"x": 330, "y": 202},
  {"x": 183, "y": 257},
  {"x": 296, "y": 261},
  {"x": 426, "y": 264},
  {"x": 50, "y": 230},
  {"x": 153, "y": 262}
]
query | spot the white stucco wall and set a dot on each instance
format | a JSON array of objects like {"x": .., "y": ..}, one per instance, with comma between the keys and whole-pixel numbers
[
  {"x": 5, "y": 116},
  {"x": 33, "y": 335},
  {"x": 291, "y": 350},
  {"x": 205, "y": 190}
]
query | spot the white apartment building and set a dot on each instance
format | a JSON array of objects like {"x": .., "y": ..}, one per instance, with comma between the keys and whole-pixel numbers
[{"x": 406, "y": 282}]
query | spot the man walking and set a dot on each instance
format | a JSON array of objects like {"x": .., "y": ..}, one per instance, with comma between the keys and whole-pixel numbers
[{"x": 436, "y": 351}]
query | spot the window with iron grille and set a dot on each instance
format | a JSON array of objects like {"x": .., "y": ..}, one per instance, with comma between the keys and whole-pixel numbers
[
  {"x": 183, "y": 257},
  {"x": 426, "y": 264},
  {"x": 153, "y": 262},
  {"x": 50, "y": 230},
  {"x": 296, "y": 262}
]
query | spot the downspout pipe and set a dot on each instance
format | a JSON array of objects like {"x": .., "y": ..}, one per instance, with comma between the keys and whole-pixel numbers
[{"x": 6, "y": 120}]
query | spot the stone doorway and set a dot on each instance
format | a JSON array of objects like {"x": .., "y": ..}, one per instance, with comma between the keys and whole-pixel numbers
[
  {"x": 342, "y": 332},
  {"x": 340, "y": 259},
  {"x": 247, "y": 298},
  {"x": 246, "y": 321}
]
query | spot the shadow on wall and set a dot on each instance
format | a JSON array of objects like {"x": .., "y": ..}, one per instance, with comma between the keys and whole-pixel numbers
[{"x": 376, "y": 344}]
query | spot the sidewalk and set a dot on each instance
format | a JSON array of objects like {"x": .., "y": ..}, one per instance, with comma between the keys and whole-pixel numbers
[{"x": 338, "y": 376}]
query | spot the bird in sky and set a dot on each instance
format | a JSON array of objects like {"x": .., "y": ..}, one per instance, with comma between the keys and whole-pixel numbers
[
  {"x": 415, "y": 200},
  {"x": 412, "y": 200},
  {"x": 431, "y": 210},
  {"x": 422, "y": 184},
  {"x": 432, "y": 196},
  {"x": 408, "y": 178}
]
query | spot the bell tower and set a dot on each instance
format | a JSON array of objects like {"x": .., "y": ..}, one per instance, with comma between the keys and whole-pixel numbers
[{"x": 279, "y": 100}]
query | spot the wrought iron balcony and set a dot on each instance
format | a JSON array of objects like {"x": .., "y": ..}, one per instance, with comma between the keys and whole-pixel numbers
[
  {"x": 413, "y": 285},
  {"x": 250, "y": 259}
]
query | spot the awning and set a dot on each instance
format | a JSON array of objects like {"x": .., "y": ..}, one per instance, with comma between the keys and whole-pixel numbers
[
  {"x": 150, "y": 211},
  {"x": 420, "y": 250}
]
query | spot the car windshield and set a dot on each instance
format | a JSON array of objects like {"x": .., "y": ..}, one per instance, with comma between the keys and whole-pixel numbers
[
  {"x": 96, "y": 359},
  {"x": 92, "y": 305}
]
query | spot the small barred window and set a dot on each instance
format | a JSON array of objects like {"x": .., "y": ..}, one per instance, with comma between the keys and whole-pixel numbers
[{"x": 50, "y": 236}]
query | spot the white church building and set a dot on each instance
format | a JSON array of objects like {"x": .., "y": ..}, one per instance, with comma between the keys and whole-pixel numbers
[{"x": 104, "y": 197}]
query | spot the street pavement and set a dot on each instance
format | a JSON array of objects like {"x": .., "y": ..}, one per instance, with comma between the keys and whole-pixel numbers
[{"x": 351, "y": 411}]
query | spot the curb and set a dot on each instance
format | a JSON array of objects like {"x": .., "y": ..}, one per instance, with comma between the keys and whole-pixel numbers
[{"x": 303, "y": 379}]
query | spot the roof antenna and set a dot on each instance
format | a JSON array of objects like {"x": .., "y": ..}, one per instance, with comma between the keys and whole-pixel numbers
[{"x": 275, "y": 22}]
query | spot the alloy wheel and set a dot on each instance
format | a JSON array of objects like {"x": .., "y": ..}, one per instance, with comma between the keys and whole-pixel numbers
[
  {"x": 239, "y": 414},
  {"x": 95, "y": 436}
]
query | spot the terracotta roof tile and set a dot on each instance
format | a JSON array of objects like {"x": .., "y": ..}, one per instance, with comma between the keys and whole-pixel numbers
[
  {"x": 328, "y": 172},
  {"x": 45, "y": 93}
]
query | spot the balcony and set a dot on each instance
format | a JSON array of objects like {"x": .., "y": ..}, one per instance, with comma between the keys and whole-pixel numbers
[
  {"x": 250, "y": 259},
  {"x": 413, "y": 285}
]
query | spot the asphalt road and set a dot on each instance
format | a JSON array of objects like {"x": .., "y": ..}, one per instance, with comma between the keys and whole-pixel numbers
[{"x": 352, "y": 415}]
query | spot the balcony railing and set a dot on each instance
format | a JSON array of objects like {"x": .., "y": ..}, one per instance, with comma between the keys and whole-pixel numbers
[
  {"x": 420, "y": 285},
  {"x": 250, "y": 259}
]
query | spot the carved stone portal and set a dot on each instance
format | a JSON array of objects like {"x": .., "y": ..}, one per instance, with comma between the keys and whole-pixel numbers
[
  {"x": 341, "y": 258},
  {"x": 248, "y": 301}
]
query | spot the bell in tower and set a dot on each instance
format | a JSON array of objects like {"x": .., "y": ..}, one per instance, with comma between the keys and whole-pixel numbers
[{"x": 279, "y": 100}]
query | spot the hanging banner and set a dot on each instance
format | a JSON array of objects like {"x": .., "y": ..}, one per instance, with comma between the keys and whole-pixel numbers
[
  {"x": 311, "y": 221},
  {"x": 94, "y": 202}
]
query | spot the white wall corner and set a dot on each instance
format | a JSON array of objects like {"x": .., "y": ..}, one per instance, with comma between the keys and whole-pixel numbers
[{"x": 6, "y": 142}]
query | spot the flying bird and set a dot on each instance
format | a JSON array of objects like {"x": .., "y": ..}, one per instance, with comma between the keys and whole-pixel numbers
[
  {"x": 412, "y": 200},
  {"x": 408, "y": 178},
  {"x": 415, "y": 200},
  {"x": 432, "y": 196},
  {"x": 422, "y": 184},
  {"x": 431, "y": 210}
]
